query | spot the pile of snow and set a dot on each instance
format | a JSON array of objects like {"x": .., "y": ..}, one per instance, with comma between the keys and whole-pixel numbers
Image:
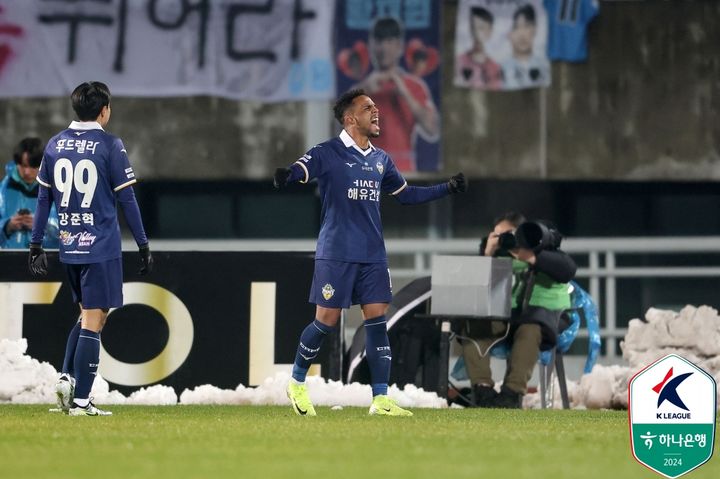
[
  {"x": 693, "y": 333},
  {"x": 322, "y": 393},
  {"x": 24, "y": 380}
]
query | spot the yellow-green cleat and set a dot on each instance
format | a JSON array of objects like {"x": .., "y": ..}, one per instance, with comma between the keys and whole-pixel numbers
[
  {"x": 300, "y": 399},
  {"x": 384, "y": 406}
]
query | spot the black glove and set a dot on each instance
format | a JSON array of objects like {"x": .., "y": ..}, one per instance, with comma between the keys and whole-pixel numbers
[
  {"x": 37, "y": 261},
  {"x": 147, "y": 260},
  {"x": 280, "y": 179},
  {"x": 458, "y": 184}
]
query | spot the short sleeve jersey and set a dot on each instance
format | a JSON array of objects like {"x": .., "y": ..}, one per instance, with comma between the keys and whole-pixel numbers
[
  {"x": 567, "y": 28},
  {"x": 84, "y": 167},
  {"x": 350, "y": 182},
  {"x": 399, "y": 125}
]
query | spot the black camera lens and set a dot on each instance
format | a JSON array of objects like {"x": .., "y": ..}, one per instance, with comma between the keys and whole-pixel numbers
[{"x": 507, "y": 240}]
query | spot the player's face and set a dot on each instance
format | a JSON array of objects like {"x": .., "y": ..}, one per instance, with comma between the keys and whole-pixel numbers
[
  {"x": 522, "y": 36},
  {"x": 481, "y": 30},
  {"x": 386, "y": 53},
  {"x": 27, "y": 173},
  {"x": 366, "y": 116},
  {"x": 503, "y": 227}
]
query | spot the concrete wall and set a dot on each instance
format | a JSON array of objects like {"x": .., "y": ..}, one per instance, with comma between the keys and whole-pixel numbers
[{"x": 645, "y": 106}]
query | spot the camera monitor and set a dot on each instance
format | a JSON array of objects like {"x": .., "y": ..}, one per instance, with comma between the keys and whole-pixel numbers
[{"x": 471, "y": 286}]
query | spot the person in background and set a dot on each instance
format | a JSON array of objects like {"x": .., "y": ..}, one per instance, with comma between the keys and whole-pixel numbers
[
  {"x": 539, "y": 295},
  {"x": 18, "y": 198}
]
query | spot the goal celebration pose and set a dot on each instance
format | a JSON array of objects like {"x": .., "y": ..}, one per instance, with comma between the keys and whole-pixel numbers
[{"x": 350, "y": 260}]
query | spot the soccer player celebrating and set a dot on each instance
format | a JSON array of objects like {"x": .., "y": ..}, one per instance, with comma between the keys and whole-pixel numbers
[
  {"x": 350, "y": 260},
  {"x": 85, "y": 171}
]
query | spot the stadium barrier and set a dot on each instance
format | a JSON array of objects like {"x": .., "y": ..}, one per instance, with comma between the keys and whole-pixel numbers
[{"x": 221, "y": 318}]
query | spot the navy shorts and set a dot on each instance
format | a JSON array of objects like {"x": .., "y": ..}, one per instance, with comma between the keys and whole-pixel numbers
[
  {"x": 337, "y": 284},
  {"x": 97, "y": 285}
]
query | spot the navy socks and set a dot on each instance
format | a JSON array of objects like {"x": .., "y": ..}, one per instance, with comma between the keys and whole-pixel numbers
[
  {"x": 377, "y": 351},
  {"x": 311, "y": 339},
  {"x": 68, "y": 366},
  {"x": 87, "y": 356}
]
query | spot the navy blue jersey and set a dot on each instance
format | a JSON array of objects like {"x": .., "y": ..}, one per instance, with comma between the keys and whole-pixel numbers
[
  {"x": 350, "y": 181},
  {"x": 84, "y": 167}
]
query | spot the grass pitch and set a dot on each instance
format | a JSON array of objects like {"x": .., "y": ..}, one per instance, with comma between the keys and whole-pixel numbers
[{"x": 271, "y": 442}]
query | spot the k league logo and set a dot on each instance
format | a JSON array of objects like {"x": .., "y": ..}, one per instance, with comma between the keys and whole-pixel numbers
[
  {"x": 667, "y": 391},
  {"x": 672, "y": 406}
]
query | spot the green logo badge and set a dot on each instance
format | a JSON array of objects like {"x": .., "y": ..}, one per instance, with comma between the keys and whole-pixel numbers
[{"x": 672, "y": 408}]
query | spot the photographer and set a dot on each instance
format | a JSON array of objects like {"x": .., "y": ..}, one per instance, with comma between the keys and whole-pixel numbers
[
  {"x": 18, "y": 198},
  {"x": 539, "y": 295}
]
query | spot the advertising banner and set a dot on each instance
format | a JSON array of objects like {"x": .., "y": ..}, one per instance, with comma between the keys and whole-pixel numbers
[
  {"x": 220, "y": 318},
  {"x": 269, "y": 51}
]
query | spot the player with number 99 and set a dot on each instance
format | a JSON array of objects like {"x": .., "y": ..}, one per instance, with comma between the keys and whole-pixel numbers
[{"x": 85, "y": 171}]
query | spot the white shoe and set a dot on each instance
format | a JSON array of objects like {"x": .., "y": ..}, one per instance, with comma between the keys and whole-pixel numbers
[
  {"x": 65, "y": 391},
  {"x": 89, "y": 410}
]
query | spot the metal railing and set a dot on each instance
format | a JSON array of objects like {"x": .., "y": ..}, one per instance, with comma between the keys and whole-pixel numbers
[{"x": 601, "y": 254}]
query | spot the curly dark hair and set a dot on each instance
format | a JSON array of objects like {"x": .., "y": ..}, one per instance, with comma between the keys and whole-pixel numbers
[{"x": 344, "y": 102}]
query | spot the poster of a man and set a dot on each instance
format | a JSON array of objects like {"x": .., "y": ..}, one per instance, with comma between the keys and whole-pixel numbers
[
  {"x": 501, "y": 45},
  {"x": 403, "y": 81},
  {"x": 475, "y": 67}
]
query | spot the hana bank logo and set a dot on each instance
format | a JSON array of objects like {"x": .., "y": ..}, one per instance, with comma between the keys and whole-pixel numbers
[{"x": 667, "y": 391}]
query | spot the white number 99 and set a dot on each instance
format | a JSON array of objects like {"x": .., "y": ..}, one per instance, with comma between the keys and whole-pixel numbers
[{"x": 65, "y": 178}]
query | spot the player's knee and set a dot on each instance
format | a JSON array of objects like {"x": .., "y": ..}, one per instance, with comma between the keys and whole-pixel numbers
[
  {"x": 374, "y": 310},
  {"x": 328, "y": 316}
]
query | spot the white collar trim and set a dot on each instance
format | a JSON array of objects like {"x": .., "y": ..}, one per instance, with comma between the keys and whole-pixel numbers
[
  {"x": 85, "y": 125},
  {"x": 349, "y": 142}
]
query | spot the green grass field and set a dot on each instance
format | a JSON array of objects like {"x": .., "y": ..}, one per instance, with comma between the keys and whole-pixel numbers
[{"x": 271, "y": 442}]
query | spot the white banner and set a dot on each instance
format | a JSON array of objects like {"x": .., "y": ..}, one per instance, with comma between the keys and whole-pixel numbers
[
  {"x": 501, "y": 44},
  {"x": 268, "y": 50}
]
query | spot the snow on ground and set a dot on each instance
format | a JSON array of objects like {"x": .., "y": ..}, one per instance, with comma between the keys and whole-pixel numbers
[
  {"x": 693, "y": 333},
  {"x": 24, "y": 380}
]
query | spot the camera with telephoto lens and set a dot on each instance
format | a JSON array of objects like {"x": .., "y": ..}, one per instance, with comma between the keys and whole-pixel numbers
[{"x": 534, "y": 235}]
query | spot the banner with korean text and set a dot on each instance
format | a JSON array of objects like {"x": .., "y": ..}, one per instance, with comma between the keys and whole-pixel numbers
[{"x": 270, "y": 50}]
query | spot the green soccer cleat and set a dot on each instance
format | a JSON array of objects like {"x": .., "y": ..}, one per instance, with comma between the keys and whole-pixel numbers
[
  {"x": 384, "y": 406},
  {"x": 89, "y": 410},
  {"x": 299, "y": 398}
]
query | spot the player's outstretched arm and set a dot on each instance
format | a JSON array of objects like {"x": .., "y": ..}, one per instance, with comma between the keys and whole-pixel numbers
[
  {"x": 458, "y": 184},
  {"x": 296, "y": 172},
  {"x": 128, "y": 203},
  {"x": 281, "y": 178},
  {"x": 414, "y": 195}
]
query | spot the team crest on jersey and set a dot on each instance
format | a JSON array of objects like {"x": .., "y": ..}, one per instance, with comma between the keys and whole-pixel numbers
[
  {"x": 328, "y": 292},
  {"x": 380, "y": 167}
]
